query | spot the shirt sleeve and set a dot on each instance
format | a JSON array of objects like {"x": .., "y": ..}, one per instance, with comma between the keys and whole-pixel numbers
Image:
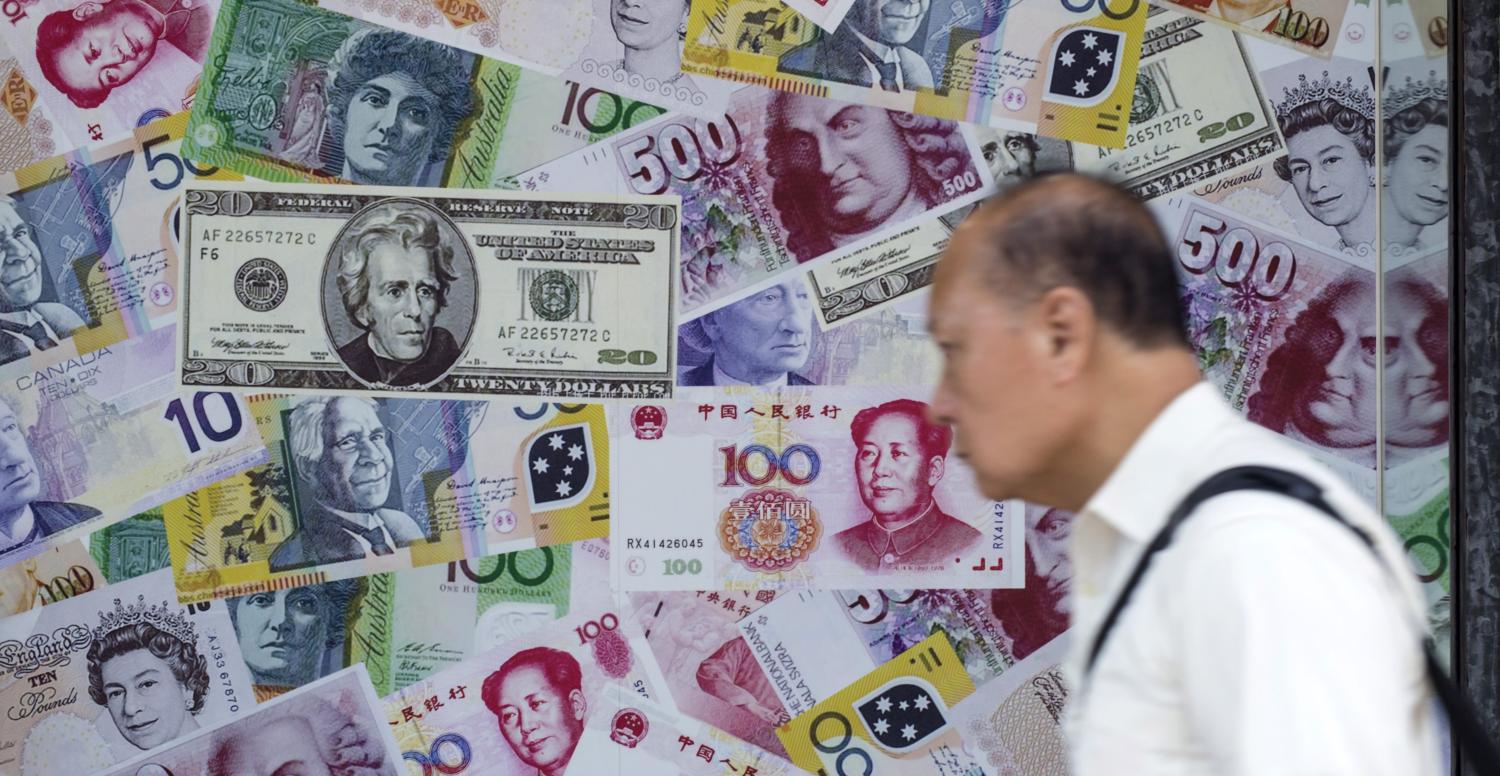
[{"x": 1297, "y": 658}]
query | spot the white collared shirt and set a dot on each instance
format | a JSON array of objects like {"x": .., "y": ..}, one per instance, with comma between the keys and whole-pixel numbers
[
  {"x": 1264, "y": 640},
  {"x": 29, "y": 317},
  {"x": 19, "y": 531},
  {"x": 368, "y": 520},
  {"x": 887, "y": 54}
]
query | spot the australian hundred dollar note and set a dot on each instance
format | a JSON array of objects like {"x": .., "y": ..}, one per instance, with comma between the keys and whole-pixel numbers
[
  {"x": 312, "y": 288},
  {"x": 99, "y": 679},
  {"x": 794, "y": 489},
  {"x": 99, "y": 437},
  {"x": 779, "y": 180},
  {"x": 632, "y": 49},
  {"x": 1054, "y": 68},
  {"x": 331, "y": 726},
  {"x": 357, "y": 486},
  {"x": 287, "y": 96}
]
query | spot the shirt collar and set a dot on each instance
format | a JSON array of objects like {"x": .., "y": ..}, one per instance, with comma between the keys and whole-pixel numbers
[
  {"x": 21, "y": 529},
  {"x": 1148, "y": 482},
  {"x": 365, "y": 520},
  {"x": 886, "y": 52},
  {"x": 904, "y": 539}
]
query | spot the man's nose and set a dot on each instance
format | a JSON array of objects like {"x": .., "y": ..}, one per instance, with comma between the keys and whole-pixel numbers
[
  {"x": 411, "y": 307},
  {"x": 829, "y": 157},
  {"x": 13, "y": 452}
]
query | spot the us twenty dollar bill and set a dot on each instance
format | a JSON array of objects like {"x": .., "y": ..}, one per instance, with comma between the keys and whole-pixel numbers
[
  {"x": 280, "y": 104},
  {"x": 97, "y": 438},
  {"x": 1054, "y": 68},
  {"x": 405, "y": 290},
  {"x": 330, "y": 726},
  {"x": 779, "y": 180},
  {"x": 357, "y": 486},
  {"x": 895, "y": 719},
  {"x": 99, "y": 679},
  {"x": 797, "y": 489}
]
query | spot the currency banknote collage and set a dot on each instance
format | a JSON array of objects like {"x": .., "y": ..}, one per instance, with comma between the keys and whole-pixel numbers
[{"x": 293, "y": 481}]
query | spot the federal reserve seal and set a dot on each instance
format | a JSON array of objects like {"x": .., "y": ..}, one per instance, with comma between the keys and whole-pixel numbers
[
  {"x": 554, "y": 296},
  {"x": 260, "y": 284},
  {"x": 769, "y": 530}
]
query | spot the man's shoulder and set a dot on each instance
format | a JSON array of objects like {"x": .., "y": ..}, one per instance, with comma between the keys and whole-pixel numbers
[
  {"x": 792, "y": 378},
  {"x": 359, "y": 358},
  {"x": 703, "y": 374},
  {"x": 402, "y": 527},
  {"x": 59, "y": 316},
  {"x": 54, "y": 516},
  {"x": 952, "y": 532}
]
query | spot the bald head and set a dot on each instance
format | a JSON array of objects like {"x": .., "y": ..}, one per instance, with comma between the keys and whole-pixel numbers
[{"x": 1070, "y": 230}]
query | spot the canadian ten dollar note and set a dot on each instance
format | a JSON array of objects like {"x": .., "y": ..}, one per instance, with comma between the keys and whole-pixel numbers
[
  {"x": 1057, "y": 67},
  {"x": 404, "y": 290}
]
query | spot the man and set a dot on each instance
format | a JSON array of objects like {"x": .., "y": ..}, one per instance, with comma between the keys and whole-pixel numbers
[
  {"x": 87, "y": 51},
  {"x": 760, "y": 340},
  {"x": 27, "y": 324},
  {"x": 393, "y": 277},
  {"x": 23, "y": 519},
  {"x": 537, "y": 697},
  {"x": 868, "y": 49},
  {"x": 1037, "y": 613},
  {"x": 344, "y": 467},
  {"x": 899, "y": 458},
  {"x": 396, "y": 104},
  {"x": 1266, "y": 638}
]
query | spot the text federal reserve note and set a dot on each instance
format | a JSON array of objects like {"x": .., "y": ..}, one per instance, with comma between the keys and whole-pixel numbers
[
  {"x": 780, "y": 180},
  {"x": 101, "y": 437},
  {"x": 405, "y": 290},
  {"x": 283, "y": 100},
  {"x": 895, "y": 719},
  {"x": 633, "y": 49},
  {"x": 790, "y": 489},
  {"x": 332, "y": 726},
  {"x": 1049, "y": 67},
  {"x": 108, "y": 68},
  {"x": 357, "y": 486},
  {"x": 99, "y": 679}
]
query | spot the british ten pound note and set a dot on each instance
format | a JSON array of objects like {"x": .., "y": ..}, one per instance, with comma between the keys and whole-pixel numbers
[
  {"x": 99, "y": 679},
  {"x": 1054, "y": 68},
  {"x": 98, "y": 438},
  {"x": 285, "y": 98},
  {"x": 110, "y": 67},
  {"x": 357, "y": 486},
  {"x": 404, "y": 291},
  {"x": 802, "y": 488},
  {"x": 332, "y": 726},
  {"x": 780, "y": 180}
]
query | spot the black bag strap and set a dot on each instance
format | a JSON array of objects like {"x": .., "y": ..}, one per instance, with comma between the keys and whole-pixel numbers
[{"x": 1475, "y": 742}]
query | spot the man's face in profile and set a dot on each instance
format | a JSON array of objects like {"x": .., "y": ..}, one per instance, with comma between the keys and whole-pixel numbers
[
  {"x": 895, "y": 478},
  {"x": 355, "y": 471},
  {"x": 647, "y": 24},
  {"x": 20, "y": 262},
  {"x": 1047, "y": 533},
  {"x": 765, "y": 335},
  {"x": 388, "y": 130},
  {"x": 116, "y": 40},
  {"x": 541, "y": 725},
  {"x": 402, "y": 301},
  {"x": 892, "y": 22},
  {"x": 1342, "y": 408},
  {"x": 853, "y": 154},
  {"x": 285, "y": 746},
  {"x": 19, "y": 483}
]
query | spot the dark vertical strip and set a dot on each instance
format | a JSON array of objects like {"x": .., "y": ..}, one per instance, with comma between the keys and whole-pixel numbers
[{"x": 1475, "y": 68}]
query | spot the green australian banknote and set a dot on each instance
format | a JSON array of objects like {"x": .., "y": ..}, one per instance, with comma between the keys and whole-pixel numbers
[{"x": 294, "y": 92}]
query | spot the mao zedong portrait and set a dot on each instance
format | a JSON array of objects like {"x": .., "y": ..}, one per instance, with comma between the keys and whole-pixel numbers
[
  {"x": 27, "y": 324},
  {"x": 89, "y": 50},
  {"x": 395, "y": 268},
  {"x": 900, "y": 456},
  {"x": 346, "y": 471},
  {"x": 762, "y": 339},
  {"x": 842, "y": 171},
  {"x": 24, "y": 519},
  {"x": 871, "y": 48},
  {"x": 537, "y": 698},
  {"x": 395, "y": 105}
]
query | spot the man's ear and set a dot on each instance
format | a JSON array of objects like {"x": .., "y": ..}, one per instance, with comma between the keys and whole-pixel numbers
[
  {"x": 1066, "y": 329},
  {"x": 710, "y": 325},
  {"x": 579, "y": 705},
  {"x": 85, "y": 10},
  {"x": 936, "y": 465}
]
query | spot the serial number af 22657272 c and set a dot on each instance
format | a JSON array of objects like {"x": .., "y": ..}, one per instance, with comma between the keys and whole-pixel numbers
[{"x": 555, "y": 333}]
